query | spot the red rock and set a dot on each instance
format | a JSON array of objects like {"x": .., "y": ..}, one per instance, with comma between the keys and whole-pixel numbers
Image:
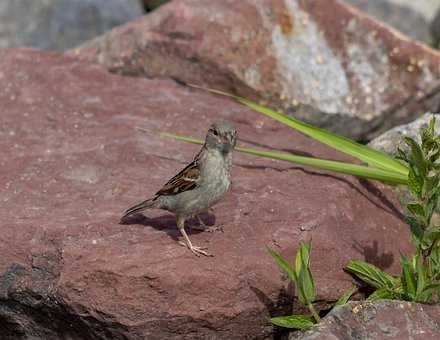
[
  {"x": 321, "y": 60},
  {"x": 72, "y": 160}
]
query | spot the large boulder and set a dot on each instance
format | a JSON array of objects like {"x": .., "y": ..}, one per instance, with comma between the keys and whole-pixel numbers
[
  {"x": 61, "y": 24},
  {"x": 407, "y": 20},
  {"x": 384, "y": 319},
  {"x": 427, "y": 8},
  {"x": 73, "y": 159},
  {"x": 320, "y": 60}
]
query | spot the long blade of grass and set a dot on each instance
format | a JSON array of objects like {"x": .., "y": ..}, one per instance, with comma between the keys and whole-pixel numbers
[
  {"x": 341, "y": 167},
  {"x": 301, "y": 322},
  {"x": 364, "y": 153}
]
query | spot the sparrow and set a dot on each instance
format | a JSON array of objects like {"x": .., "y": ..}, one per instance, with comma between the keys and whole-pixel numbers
[{"x": 200, "y": 185}]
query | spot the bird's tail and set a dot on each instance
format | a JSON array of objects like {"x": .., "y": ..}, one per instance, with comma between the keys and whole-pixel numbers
[{"x": 148, "y": 204}]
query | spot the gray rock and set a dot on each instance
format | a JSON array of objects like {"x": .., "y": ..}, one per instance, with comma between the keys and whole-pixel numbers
[
  {"x": 389, "y": 141},
  {"x": 384, "y": 319},
  {"x": 427, "y": 8},
  {"x": 61, "y": 24},
  {"x": 403, "y": 18}
]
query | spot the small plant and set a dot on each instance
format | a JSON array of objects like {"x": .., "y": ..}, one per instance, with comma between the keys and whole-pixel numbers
[
  {"x": 420, "y": 278},
  {"x": 302, "y": 277}
]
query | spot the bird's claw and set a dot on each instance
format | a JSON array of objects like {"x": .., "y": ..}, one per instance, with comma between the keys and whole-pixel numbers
[
  {"x": 196, "y": 250},
  {"x": 200, "y": 251},
  {"x": 214, "y": 228}
]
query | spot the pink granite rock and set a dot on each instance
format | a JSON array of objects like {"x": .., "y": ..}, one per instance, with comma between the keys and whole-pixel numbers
[
  {"x": 72, "y": 160},
  {"x": 320, "y": 60}
]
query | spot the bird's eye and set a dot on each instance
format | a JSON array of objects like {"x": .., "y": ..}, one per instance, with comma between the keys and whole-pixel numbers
[{"x": 215, "y": 132}]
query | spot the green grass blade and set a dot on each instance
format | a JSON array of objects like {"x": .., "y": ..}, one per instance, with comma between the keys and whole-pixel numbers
[
  {"x": 346, "y": 296},
  {"x": 301, "y": 322},
  {"x": 364, "y": 153},
  {"x": 368, "y": 155},
  {"x": 283, "y": 264},
  {"x": 408, "y": 279},
  {"x": 341, "y": 167}
]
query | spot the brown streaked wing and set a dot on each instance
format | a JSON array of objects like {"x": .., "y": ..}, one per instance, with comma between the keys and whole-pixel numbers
[{"x": 185, "y": 180}]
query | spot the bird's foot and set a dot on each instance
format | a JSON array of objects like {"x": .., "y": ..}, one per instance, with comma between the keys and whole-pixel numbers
[
  {"x": 214, "y": 228},
  {"x": 209, "y": 229},
  {"x": 197, "y": 250}
]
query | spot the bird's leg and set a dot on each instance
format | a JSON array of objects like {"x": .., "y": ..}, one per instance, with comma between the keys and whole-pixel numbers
[
  {"x": 202, "y": 226},
  {"x": 196, "y": 250}
]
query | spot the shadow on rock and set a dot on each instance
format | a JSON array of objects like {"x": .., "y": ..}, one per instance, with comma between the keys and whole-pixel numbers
[
  {"x": 167, "y": 223},
  {"x": 374, "y": 190},
  {"x": 281, "y": 306},
  {"x": 372, "y": 255}
]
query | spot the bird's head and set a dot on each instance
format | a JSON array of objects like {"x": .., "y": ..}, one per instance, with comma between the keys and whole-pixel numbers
[{"x": 221, "y": 136}]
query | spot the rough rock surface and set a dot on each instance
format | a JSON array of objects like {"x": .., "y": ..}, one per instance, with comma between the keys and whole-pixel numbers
[
  {"x": 61, "y": 24},
  {"x": 72, "y": 160},
  {"x": 427, "y": 8},
  {"x": 321, "y": 60},
  {"x": 384, "y": 319},
  {"x": 389, "y": 141},
  {"x": 405, "y": 19}
]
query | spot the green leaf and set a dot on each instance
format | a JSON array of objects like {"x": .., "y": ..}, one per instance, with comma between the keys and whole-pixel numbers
[
  {"x": 416, "y": 209},
  {"x": 428, "y": 135},
  {"x": 346, "y": 296},
  {"x": 306, "y": 286},
  {"x": 301, "y": 322},
  {"x": 408, "y": 278},
  {"x": 341, "y": 167},
  {"x": 430, "y": 183},
  {"x": 401, "y": 155},
  {"x": 432, "y": 234},
  {"x": 283, "y": 264},
  {"x": 433, "y": 288},
  {"x": 302, "y": 256},
  {"x": 362, "y": 152},
  {"x": 417, "y": 155},
  {"x": 421, "y": 278},
  {"x": 305, "y": 283},
  {"x": 415, "y": 183},
  {"x": 416, "y": 231},
  {"x": 381, "y": 293},
  {"x": 370, "y": 274}
]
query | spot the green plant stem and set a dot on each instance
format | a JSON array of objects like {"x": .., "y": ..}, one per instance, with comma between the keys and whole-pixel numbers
[{"x": 314, "y": 313}]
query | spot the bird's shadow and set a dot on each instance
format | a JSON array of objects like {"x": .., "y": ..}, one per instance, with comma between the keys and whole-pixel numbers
[
  {"x": 167, "y": 223},
  {"x": 371, "y": 254}
]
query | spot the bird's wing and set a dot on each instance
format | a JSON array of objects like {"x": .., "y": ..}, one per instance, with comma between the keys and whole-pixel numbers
[{"x": 185, "y": 180}]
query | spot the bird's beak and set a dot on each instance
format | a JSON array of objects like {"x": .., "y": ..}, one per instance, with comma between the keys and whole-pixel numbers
[{"x": 228, "y": 140}]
